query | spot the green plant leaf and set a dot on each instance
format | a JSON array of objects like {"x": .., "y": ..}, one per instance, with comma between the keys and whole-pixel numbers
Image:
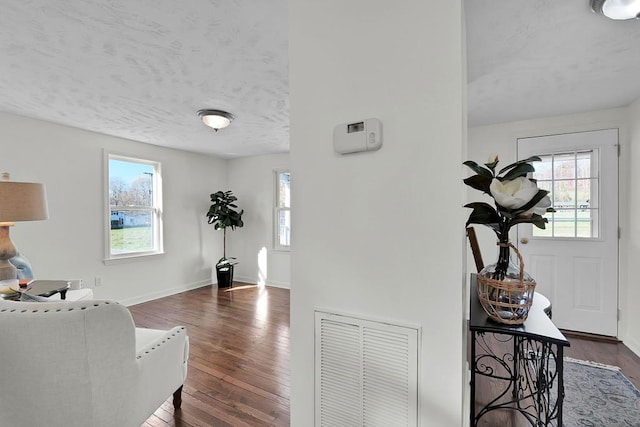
[
  {"x": 520, "y": 170},
  {"x": 478, "y": 169},
  {"x": 479, "y": 182},
  {"x": 483, "y": 213},
  {"x": 535, "y": 219},
  {"x": 519, "y": 162}
]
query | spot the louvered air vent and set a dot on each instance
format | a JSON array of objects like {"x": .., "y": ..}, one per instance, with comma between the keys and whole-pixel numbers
[{"x": 366, "y": 373}]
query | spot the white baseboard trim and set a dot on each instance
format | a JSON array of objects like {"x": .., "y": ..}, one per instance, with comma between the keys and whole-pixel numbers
[
  {"x": 165, "y": 293},
  {"x": 253, "y": 281},
  {"x": 243, "y": 279},
  {"x": 632, "y": 345},
  {"x": 276, "y": 284}
]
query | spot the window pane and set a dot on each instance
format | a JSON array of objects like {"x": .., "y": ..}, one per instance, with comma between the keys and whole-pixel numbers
[
  {"x": 564, "y": 223},
  {"x": 585, "y": 226},
  {"x": 131, "y": 231},
  {"x": 583, "y": 191},
  {"x": 284, "y": 228},
  {"x": 130, "y": 184},
  {"x": 543, "y": 168},
  {"x": 564, "y": 194},
  {"x": 284, "y": 190},
  {"x": 546, "y": 185},
  {"x": 564, "y": 166},
  {"x": 583, "y": 161}
]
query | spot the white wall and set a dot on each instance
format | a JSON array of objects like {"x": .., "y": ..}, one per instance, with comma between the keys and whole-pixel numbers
[
  {"x": 252, "y": 180},
  {"x": 70, "y": 244},
  {"x": 378, "y": 235},
  {"x": 501, "y": 139},
  {"x": 630, "y": 243}
]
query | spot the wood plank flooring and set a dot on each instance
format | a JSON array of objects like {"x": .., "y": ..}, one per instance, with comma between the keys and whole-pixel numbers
[
  {"x": 239, "y": 363},
  {"x": 607, "y": 352},
  {"x": 238, "y": 371}
]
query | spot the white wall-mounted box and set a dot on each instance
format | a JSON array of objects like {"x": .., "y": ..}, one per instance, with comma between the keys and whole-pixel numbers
[{"x": 365, "y": 135}]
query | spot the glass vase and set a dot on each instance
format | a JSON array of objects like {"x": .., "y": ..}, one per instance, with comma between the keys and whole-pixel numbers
[{"x": 505, "y": 289}]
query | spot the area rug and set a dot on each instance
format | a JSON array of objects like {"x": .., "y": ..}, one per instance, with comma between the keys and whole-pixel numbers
[{"x": 598, "y": 395}]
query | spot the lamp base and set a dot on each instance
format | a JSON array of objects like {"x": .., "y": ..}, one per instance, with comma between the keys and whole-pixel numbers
[
  {"x": 7, "y": 270},
  {"x": 7, "y": 251}
]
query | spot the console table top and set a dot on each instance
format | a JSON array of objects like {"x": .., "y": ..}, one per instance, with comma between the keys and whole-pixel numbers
[{"x": 538, "y": 325}]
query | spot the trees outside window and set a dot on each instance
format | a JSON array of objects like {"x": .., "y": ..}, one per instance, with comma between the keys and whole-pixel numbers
[{"x": 135, "y": 207}]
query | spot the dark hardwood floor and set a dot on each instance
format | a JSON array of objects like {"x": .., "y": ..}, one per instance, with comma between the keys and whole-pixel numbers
[
  {"x": 239, "y": 355},
  {"x": 607, "y": 352},
  {"x": 238, "y": 371}
]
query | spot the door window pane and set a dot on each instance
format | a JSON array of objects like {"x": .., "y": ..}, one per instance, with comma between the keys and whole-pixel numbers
[{"x": 571, "y": 179}]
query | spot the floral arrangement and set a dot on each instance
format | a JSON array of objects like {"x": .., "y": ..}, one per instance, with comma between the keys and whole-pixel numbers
[{"x": 517, "y": 200}]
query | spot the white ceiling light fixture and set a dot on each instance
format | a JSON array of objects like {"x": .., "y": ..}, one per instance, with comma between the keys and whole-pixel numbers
[
  {"x": 617, "y": 9},
  {"x": 216, "y": 119}
]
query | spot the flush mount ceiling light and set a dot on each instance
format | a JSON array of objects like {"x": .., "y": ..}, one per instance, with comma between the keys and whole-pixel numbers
[
  {"x": 216, "y": 119},
  {"x": 617, "y": 9}
]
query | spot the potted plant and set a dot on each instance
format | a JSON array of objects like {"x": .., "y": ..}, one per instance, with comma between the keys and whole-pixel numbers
[
  {"x": 505, "y": 290},
  {"x": 223, "y": 214}
]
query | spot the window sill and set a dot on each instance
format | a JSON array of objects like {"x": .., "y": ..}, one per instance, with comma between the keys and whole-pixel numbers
[
  {"x": 284, "y": 251},
  {"x": 122, "y": 259}
]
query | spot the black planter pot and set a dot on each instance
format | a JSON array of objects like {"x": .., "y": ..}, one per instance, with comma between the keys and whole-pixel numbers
[{"x": 225, "y": 276}]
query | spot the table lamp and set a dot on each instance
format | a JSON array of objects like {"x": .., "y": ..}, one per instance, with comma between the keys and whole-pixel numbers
[{"x": 19, "y": 201}]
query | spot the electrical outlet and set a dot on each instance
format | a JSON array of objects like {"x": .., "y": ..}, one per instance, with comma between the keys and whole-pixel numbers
[{"x": 98, "y": 281}]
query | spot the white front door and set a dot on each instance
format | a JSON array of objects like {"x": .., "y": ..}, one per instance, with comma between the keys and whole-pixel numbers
[{"x": 575, "y": 259}]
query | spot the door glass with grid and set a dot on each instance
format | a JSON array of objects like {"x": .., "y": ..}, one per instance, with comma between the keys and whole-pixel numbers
[{"x": 572, "y": 181}]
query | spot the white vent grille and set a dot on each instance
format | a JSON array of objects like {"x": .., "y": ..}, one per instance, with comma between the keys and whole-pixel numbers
[{"x": 366, "y": 373}]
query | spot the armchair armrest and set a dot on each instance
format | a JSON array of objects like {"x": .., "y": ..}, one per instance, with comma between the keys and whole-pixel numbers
[{"x": 161, "y": 357}]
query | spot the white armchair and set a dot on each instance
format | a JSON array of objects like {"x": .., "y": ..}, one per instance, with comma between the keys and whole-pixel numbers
[{"x": 85, "y": 364}]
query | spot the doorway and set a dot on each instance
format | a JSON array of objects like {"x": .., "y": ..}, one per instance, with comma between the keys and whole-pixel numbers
[{"x": 575, "y": 259}]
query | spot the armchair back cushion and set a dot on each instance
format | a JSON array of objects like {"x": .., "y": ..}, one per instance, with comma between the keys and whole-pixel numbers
[{"x": 69, "y": 364}]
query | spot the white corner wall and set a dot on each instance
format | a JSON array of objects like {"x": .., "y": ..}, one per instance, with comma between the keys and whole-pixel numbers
[
  {"x": 378, "y": 235},
  {"x": 630, "y": 243},
  {"x": 70, "y": 244},
  {"x": 252, "y": 180},
  {"x": 501, "y": 139}
]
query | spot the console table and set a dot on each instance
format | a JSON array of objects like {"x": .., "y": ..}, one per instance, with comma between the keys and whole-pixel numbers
[{"x": 519, "y": 366}]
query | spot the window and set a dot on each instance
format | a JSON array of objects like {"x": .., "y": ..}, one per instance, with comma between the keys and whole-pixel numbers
[
  {"x": 572, "y": 181},
  {"x": 135, "y": 207},
  {"x": 282, "y": 214}
]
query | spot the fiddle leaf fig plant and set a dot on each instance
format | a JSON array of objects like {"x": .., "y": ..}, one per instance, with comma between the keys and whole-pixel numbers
[{"x": 223, "y": 213}]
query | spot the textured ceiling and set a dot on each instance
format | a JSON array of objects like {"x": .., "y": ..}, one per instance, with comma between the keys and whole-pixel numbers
[
  {"x": 540, "y": 58},
  {"x": 141, "y": 69}
]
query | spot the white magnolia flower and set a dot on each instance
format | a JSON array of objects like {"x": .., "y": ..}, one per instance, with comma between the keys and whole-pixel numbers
[
  {"x": 514, "y": 194},
  {"x": 540, "y": 208}
]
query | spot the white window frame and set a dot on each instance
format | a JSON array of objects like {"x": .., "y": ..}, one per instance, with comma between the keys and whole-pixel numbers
[
  {"x": 277, "y": 210},
  {"x": 156, "y": 210}
]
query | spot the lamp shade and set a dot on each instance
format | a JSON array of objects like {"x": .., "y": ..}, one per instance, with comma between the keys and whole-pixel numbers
[{"x": 22, "y": 201}]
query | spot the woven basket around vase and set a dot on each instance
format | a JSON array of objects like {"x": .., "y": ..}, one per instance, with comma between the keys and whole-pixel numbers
[{"x": 507, "y": 302}]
